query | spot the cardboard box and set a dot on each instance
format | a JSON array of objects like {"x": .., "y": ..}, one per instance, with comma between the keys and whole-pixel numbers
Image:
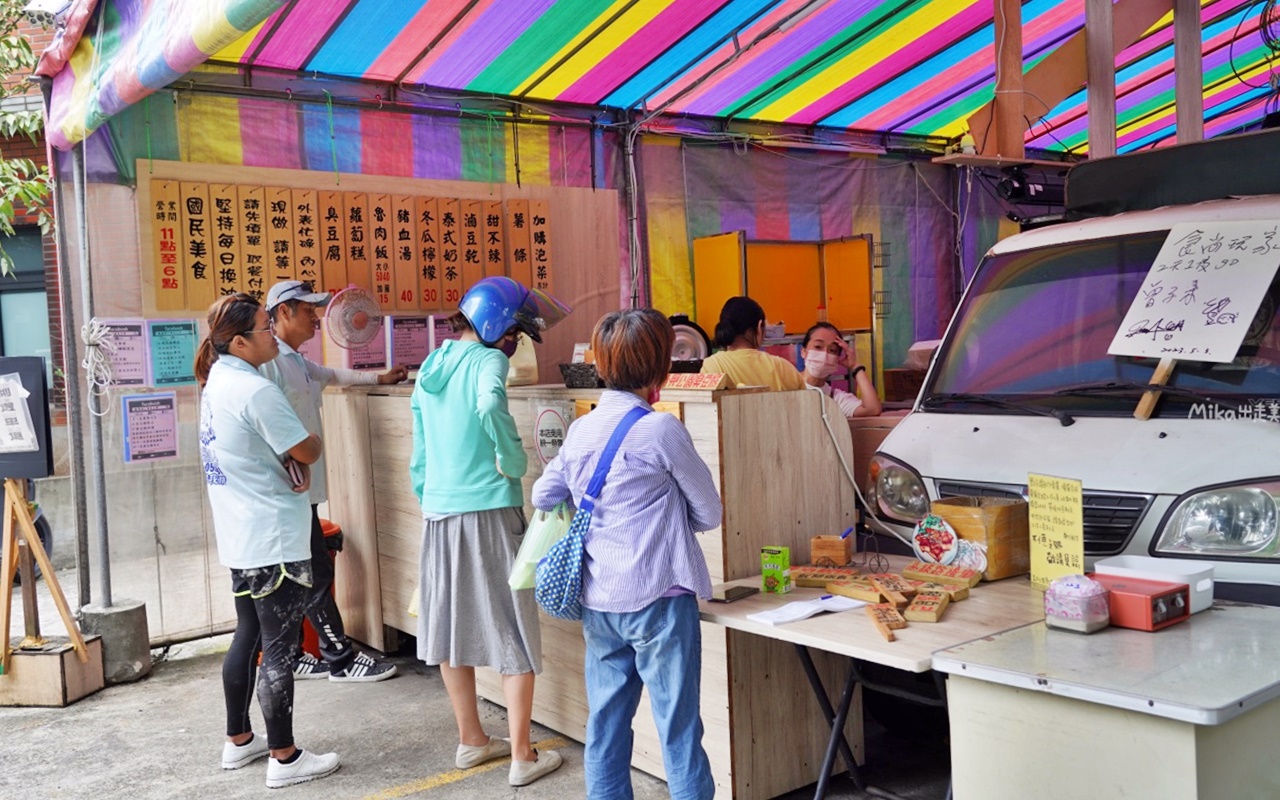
[
  {"x": 775, "y": 569},
  {"x": 998, "y": 522}
]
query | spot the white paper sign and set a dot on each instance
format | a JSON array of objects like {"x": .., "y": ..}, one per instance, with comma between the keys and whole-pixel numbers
[
  {"x": 551, "y": 420},
  {"x": 1202, "y": 292},
  {"x": 17, "y": 433}
]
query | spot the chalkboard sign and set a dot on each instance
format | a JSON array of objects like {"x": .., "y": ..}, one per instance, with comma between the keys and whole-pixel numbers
[{"x": 25, "y": 448}]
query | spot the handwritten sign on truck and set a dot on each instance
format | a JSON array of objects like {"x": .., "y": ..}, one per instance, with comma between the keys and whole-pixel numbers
[{"x": 1202, "y": 292}]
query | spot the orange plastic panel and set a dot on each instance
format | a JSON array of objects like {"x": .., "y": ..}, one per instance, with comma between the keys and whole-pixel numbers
[
  {"x": 786, "y": 280},
  {"x": 717, "y": 275},
  {"x": 848, "y": 268}
]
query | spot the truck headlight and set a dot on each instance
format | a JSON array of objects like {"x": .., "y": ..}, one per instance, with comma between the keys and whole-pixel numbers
[
  {"x": 1230, "y": 521},
  {"x": 898, "y": 491}
]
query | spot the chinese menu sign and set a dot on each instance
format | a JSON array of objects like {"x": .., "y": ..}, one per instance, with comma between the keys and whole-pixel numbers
[
  {"x": 1202, "y": 292},
  {"x": 412, "y": 253},
  {"x": 173, "y": 351},
  {"x": 1056, "y": 516},
  {"x": 17, "y": 432},
  {"x": 150, "y": 427}
]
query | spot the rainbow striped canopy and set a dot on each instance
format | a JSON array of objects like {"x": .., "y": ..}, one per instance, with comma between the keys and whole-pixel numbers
[{"x": 914, "y": 67}]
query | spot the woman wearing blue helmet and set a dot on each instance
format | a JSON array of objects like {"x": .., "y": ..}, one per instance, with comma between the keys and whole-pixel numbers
[{"x": 466, "y": 466}]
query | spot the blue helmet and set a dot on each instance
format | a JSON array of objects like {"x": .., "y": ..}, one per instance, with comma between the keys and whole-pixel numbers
[{"x": 494, "y": 306}]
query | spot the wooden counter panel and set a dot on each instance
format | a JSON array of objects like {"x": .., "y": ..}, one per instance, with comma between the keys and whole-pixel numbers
[{"x": 790, "y": 453}]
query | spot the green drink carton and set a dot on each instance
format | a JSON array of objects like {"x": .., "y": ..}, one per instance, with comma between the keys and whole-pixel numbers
[{"x": 775, "y": 565}]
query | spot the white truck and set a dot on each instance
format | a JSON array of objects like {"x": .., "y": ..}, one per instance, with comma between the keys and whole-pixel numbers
[{"x": 1022, "y": 383}]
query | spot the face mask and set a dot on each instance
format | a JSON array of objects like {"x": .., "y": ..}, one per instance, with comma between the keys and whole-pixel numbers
[
  {"x": 508, "y": 346},
  {"x": 654, "y": 395},
  {"x": 820, "y": 365}
]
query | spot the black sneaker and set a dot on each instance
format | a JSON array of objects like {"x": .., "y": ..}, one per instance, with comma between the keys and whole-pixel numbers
[
  {"x": 364, "y": 669},
  {"x": 309, "y": 668}
]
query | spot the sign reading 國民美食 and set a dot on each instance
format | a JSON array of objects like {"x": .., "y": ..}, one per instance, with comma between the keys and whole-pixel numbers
[{"x": 1199, "y": 298}]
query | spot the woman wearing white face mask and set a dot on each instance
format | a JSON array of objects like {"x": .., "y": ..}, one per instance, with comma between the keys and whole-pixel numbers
[{"x": 826, "y": 354}]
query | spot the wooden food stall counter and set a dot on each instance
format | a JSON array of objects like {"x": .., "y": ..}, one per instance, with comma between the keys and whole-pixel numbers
[{"x": 781, "y": 481}]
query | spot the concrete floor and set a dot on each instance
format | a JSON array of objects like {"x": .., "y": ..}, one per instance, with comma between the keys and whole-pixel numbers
[{"x": 161, "y": 738}]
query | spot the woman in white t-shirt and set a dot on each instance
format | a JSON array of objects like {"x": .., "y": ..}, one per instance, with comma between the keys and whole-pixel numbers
[
  {"x": 255, "y": 453},
  {"x": 826, "y": 354}
]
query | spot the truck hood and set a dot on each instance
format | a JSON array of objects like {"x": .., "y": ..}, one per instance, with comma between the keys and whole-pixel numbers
[{"x": 1158, "y": 456}]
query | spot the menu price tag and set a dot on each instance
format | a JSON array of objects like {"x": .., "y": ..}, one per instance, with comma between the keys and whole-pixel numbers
[
  {"x": 1056, "y": 517},
  {"x": 706, "y": 381}
]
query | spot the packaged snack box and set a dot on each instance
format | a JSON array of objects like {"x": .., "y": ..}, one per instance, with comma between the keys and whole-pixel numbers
[{"x": 775, "y": 567}]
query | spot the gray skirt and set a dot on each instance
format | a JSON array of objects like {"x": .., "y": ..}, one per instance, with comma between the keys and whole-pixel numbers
[{"x": 469, "y": 616}]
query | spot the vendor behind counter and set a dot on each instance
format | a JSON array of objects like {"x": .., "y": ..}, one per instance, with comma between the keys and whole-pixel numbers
[{"x": 740, "y": 333}]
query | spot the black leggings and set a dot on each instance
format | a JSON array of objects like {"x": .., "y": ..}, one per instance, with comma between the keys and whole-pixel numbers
[{"x": 268, "y": 625}]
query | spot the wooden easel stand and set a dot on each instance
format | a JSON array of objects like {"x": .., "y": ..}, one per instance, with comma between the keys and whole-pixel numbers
[{"x": 17, "y": 511}]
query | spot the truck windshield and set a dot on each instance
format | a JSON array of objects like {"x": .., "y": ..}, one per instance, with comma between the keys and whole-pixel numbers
[{"x": 1035, "y": 328}]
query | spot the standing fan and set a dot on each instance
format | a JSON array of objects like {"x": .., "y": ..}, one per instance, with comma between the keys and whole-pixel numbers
[
  {"x": 692, "y": 345},
  {"x": 353, "y": 317}
]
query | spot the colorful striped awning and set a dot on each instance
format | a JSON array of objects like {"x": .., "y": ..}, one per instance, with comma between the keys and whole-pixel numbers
[{"x": 905, "y": 66}]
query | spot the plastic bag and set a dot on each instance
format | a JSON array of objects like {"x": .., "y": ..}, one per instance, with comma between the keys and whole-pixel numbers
[
  {"x": 524, "y": 363},
  {"x": 545, "y": 529}
]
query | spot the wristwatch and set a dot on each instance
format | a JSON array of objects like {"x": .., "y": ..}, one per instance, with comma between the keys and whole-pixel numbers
[{"x": 853, "y": 376}]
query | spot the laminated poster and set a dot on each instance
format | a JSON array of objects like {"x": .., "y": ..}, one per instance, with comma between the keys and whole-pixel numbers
[
  {"x": 17, "y": 433},
  {"x": 1202, "y": 292},
  {"x": 370, "y": 355},
  {"x": 128, "y": 351},
  {"x": 150, "y": 427},
  {"x": 1056, "y": 520},
  {"x": 173, "y": 351},
  {"x": 410, "y": 340}
]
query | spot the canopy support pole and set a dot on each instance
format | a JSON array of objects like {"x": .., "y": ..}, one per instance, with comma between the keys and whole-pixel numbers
[
  {"x": 1188, "y": 71},
  {"x": 1100, "y": 62}
]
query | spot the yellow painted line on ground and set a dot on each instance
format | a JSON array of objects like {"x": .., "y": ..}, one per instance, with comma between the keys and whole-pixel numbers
[{"x": 454, "y": 775}]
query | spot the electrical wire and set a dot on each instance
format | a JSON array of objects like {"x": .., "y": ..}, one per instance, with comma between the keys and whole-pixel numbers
[
  {"x": 848, "y": 473},
  {"x": 98, "y": 349}
]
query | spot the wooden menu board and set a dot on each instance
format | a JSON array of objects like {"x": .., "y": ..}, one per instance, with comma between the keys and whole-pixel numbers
[{"x": 413, "y": 253}]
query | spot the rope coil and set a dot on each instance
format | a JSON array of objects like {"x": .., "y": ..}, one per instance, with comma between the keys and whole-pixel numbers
[{"x": 98, "y": 349}]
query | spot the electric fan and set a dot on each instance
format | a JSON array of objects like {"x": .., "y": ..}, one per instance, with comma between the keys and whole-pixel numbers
[
  {"x": 352, "y": 317},
  {"x": 691, "y": 345}
]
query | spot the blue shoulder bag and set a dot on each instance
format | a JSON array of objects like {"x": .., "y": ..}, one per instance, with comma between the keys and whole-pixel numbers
[{"x": 558, "y": 586}]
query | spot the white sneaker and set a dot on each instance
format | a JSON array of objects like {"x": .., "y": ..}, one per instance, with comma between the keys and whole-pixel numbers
[
  {"x": 235, "y": 756},
  {"x": 307, "y": 767},
  {"x": 470, "y": 755},
  {"x": 524, "y": 773}
]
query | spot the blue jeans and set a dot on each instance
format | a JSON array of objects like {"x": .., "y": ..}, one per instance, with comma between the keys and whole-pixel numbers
[{"x": 659, "y": 647}]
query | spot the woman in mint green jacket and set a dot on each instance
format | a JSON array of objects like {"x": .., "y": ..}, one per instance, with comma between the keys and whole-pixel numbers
[{"x": 466, "y": 466}]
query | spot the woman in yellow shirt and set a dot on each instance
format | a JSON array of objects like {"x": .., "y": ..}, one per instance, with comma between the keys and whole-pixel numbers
[{"x": 740, "y": 332}]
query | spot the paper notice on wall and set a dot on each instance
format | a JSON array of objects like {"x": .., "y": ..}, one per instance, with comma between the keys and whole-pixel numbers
[
  {"x": 173, "y": 351},
  {"x": 1056, "y": 517},
  {"x": 127, "y": 351},
  {"x": 1200, "y": 296},
  {"x": 150, "y": 427},
  {"x": 370, "y": 355},
  {"x": 410, "y": 340},
  {"x": 17, "y": 434},
  {"x": 551, "y": 420}
]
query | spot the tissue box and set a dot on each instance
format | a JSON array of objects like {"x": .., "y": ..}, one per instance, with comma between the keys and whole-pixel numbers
[
  {"x": 1000, "y": 523},
  {"x": 1076, "y": 603},
  {"x": 775, "y": 569},
  {"x": 1197, "y": 575}
]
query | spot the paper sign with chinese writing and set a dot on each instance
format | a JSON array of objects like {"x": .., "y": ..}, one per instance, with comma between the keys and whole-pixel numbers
[
  {"x": 709, "y": 381},
  {"x": 253, "y": 240},
  {"x": 1202, "y": 292},
  {"x": 280, "y": 263},
  {"x": 17, "y": 433},
  {"x": 173, "y": 351},
  {"x": 493, "y": 254},
  {"x": 381, "y": 220},
  {"x": 359, "y": 271},
  {"x": 404, "y": 254},
  {"x": 517, "y": 242},
  {"x": 551, "y": 420},
  {"x": 127, "y": 352},
  {"x": 540, "y": 242},
  {"x": 450, "y": 254},
  {"x": 410, "y": 340},
  {"x": 370, "y": 355},
  {"x": 428, "y": 228},
  {"x": 470, "y": 231},
  {"x": 227, "y": 263},
  {"x": 306, "y": 247},
  {"x": 150, "y": 427},
  {"x": 197, "y": 246},
  {"x": 1056, "y": 516},
  {"x": 333, "y": 258}
]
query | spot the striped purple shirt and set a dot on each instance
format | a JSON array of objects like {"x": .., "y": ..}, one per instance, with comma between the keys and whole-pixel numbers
[{"x": 641, "y": 544}]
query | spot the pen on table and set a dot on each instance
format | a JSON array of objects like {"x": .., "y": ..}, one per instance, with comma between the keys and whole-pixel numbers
[
  {"x": 825, "y": 597},
  {"x": 846, "y": 533}
]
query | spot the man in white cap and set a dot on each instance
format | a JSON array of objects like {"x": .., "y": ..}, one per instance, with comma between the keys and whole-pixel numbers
[{"x": 292, "y": 307}]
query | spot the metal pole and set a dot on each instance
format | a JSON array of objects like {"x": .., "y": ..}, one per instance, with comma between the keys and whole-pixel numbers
[
  {"x": 95, "y": 422},
  {"x": 70, "y": 360}
]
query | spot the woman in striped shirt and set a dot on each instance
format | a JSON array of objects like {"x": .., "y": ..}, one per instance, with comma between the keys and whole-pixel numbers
[{"x": 643, "y": 570}]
